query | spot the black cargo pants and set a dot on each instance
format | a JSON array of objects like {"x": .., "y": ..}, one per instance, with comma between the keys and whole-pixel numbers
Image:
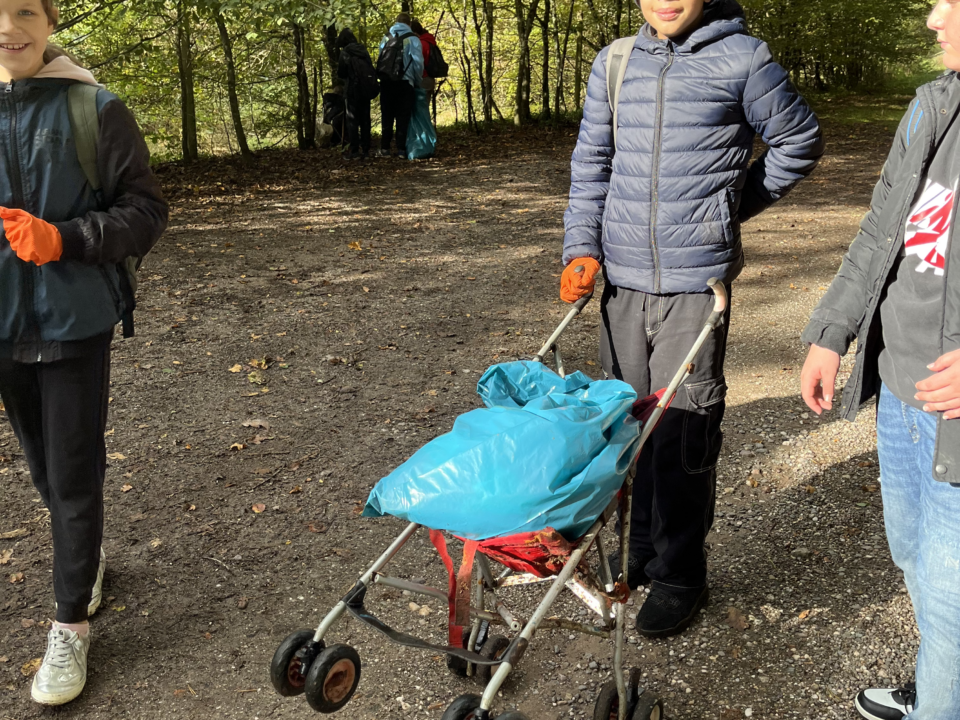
[
  {"x": 58, "y": 411},
  {"x": 643, "y": 341}
]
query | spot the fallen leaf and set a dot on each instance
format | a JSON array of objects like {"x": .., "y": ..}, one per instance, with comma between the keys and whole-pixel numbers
[
  {"x": 870, "y": 488},
  {"x": 5, "y": 557},
  {"x": 236, "y": 368},
  {"x": 736, "y": 619},
  {"x": 804, "y": 615},
  {"x": 156, "y": 542},
  {"x": 257, "y": 423},
  {"x": 238, "y": 446},
  {"x": 296, "y": 489},
  {"x": 26, "y": 623},
  {"x": 810, "y": 489},
  {"x": 13, "y": 534},
  {"x": 260, "y": 363},
  {"x": 29, "y": 668},
  {"x": 355, "y": 245},
  {"x": 116, "y": 456},
  {"x": 257, "y": 378},
  {"x": 314, "y": 529},
  {"x": 259, "y": 508},
  {"x": 127, "y": 487},
  {"x": 16, "y": 578},
  {"x": 366, "y": 289},
  {"x": 120, "y": 608}
]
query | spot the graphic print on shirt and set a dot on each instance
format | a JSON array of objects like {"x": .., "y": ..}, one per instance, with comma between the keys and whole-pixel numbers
[{"x": 928, "y": 227}]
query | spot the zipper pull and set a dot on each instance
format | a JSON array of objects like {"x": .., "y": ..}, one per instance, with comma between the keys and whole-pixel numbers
[{"x": 9, "y": 88}]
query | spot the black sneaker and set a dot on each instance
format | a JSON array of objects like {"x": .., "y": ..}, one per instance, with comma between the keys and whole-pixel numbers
[
  {"x": 670, "y": 610},
  {"x": 636, "y": 576},
  {"x": 887, "y": 703}
]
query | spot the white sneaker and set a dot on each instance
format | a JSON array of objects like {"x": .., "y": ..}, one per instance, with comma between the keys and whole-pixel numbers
[
  {"x": 63, "y": 673},
  {"x": 97, "y": 596},
  {"x": 886, "y": 703}
]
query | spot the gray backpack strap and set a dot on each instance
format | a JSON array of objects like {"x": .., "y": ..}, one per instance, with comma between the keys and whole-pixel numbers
[
  {"x": 618, "y": 58},
  {"x": 85, "y": 124}
]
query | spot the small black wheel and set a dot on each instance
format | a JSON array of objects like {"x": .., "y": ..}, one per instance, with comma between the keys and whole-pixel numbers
[
  {"x": 462, "y": 708},
  {"x": 649, "y": 707},
  {"x": 291, "y": 662},
  {"x": 458, "y": 666},
  {"x": 493, "y": 649},
  {"x": 333, "y": 678},
  {"x": 512, "y": 715}
]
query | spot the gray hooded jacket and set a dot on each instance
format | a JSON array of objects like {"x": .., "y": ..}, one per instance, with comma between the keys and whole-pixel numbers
[
  {"x": 850, "y": 308},
  {"x": 662, "y": 210}
]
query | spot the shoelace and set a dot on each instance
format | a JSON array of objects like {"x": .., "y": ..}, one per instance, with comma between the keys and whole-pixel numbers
[
  {"x": 907, "y": 695},
  {"x": 59, "y": 651}
]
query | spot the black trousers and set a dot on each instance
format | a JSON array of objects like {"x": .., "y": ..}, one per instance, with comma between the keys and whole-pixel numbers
[
  {"x": 59, "y": 413},
  {"x": 644, "y": 339},
  {"x": 396, "y": 106},
  {"x": 358, "y": 124}
]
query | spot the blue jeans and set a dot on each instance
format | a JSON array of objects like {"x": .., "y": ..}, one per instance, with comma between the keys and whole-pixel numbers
[{"x": 922, "y": 518}]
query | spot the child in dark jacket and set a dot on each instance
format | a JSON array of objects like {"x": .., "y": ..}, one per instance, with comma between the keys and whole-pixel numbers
[
  {"x": 355, "y": 59},
  {"x": 658, "y": 206},
  {"x": 60, "y": 298}
]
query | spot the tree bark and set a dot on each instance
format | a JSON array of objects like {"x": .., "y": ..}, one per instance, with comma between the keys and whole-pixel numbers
[
  {"x": 525, "y": 20},
  {"x": 481, "y": 68},
  {"x": 545, "y": 62},
  {"x": 578, "y": 66},
  {"x": 558, "y": 94},
  {"x": 306, "y": 127},
  {"x": 227, "y": 44},
  {"x": 188, "y": 102},
  {"x": 489, "y": 18}
]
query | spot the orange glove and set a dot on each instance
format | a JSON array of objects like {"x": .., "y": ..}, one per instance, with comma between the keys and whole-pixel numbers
[
  {"x": 32, "y": 239},
  {"x": 575, "y": 285}
]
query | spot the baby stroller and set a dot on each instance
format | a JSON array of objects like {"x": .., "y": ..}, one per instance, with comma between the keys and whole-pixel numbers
[{"x": 328, "y": 675}]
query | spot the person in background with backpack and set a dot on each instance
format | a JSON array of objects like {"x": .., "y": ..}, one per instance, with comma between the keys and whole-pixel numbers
[
  {"x": 62, "y": 294},
  {"x": 421, "y": 135},
  {"x": 356, "y": 68},
  {"x": 400, "y": 66},
  {"x": 661, "y": 179},
  {"x": 427, "y": 43}
]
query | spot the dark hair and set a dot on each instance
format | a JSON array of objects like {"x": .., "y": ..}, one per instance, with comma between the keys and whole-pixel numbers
[
  {"x": 345, "y": 38},
  {"x": 50, "y": 8},
  {"x": 417, "y": 27},
  {"x": 404, "y": 18}
]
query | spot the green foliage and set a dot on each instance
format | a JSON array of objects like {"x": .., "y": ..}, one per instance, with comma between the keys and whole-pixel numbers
[{"x": 133, "y": 47}]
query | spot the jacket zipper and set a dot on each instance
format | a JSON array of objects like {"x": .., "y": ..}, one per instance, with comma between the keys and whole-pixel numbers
[
  {"x": 27, "y": 270},
  {"x": 654, "y": 180}
]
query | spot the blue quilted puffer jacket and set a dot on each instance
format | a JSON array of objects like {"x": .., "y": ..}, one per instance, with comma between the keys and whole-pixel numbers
[{"x": 662, "y": 211}]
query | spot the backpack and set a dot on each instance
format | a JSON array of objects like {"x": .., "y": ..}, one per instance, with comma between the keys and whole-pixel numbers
[
  {"x": 85, "y": 125},
  {"x": 617, "y": 59},
  {"x": 365, "y": 77},
  {"x": 436, "y": 66},
  {"x": 390, "y": 64}
]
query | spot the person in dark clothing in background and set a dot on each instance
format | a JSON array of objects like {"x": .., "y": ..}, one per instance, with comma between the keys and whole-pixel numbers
[
  {"x": 400, "y": 66},
  {"x": 354, "y": 63}
]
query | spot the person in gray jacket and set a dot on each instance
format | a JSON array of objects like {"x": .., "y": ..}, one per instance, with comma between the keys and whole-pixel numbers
[
  {"x": 659, "y": 206},
  {"x": 898, "y": 294}
]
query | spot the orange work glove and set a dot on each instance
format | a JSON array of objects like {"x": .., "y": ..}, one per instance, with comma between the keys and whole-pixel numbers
[
  {"x": 574, "y": 285},
  {"x": 32, "y": 239}
]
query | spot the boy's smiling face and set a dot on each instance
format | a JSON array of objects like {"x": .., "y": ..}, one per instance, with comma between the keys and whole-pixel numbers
[
  {"x": 24, "y": 31},
  {"x": 671, "y": 18},
  {"x": 944, "y": 20}
]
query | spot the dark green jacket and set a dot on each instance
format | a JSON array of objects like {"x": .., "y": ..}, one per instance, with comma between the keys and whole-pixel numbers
[
  {"x": 77, "y": 297},
  {"x": 850, "y": 308}
]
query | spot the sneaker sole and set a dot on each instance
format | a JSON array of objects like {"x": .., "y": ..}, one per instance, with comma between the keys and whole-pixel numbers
[
  {"x": 43, "y": 698},
  {"x": 866, "y": 713},
  {"x": 683, "y": 624}
]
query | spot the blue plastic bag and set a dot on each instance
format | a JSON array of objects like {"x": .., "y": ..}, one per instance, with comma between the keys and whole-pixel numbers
[
  {"x": 545, "y": 452},
  {"x": 421, "y": 135}
]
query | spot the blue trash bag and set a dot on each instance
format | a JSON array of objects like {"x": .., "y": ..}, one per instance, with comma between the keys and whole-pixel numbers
[
  {"x": 545, "y": 452},
  {"x": 421, "y": 136}
]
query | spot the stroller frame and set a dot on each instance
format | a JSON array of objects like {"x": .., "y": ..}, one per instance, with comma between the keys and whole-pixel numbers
[{"x": 604, "y": 595}]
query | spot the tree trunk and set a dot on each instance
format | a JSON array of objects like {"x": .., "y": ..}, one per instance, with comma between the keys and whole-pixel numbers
[
  {"x": 188, "y": 102},
  {"x": 578, "y": 66},
  {"x": 333, "y": 54},
  {"x": 227, "y": 45},
  {"x": 562, "y": 62},
  {"x": 481, "y": 68},
  {"x": 618, "y": 18},
  {"x": 525, "y": 21},
  {"x": 306, "y": 128},
  {"x": 489, "y": 18},
  {"x": 545, "y": 63}
]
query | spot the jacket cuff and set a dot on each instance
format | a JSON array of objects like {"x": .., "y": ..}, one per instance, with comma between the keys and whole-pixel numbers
[
  {"x": 578, "y": 251},
  {"x": 831, "y": 337},
  {"x": 72, "y": 237}
]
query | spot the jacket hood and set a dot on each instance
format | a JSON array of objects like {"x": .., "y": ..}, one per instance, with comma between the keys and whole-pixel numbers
[
  {"x": 64, "y": 68},
  {"x": 345, "y": 38},
  {"x": 400, "y": 28},
  {"x": 721, "y": 18},
  {"x": 428, "y": 36}
]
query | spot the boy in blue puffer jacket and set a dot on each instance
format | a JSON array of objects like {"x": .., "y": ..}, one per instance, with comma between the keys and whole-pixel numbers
[{"x": 658, "y": 204}]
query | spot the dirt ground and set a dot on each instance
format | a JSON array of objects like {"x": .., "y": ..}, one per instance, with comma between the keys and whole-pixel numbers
[{"x": 305, "y": 325}]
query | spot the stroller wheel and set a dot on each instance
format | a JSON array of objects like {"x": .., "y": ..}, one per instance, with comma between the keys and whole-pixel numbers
[
  {"x": 333, "y": 678},
  {"x": 291, "y": 662},
  {"x": 649, "y": 707},
  {"x": 608, "y": 701},
  {"x": 493, "y": 649},
  {"x": 459, "y": 667},
  {"x": 462, "y": 708}
]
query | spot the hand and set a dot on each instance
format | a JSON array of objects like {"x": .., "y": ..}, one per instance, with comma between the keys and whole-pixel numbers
[
  {"x": 818, "y": 379},
  {"x": 941, "y": 391},
  {"x": 32, "y": 239},
  {"x": 578, "y": 279}
]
